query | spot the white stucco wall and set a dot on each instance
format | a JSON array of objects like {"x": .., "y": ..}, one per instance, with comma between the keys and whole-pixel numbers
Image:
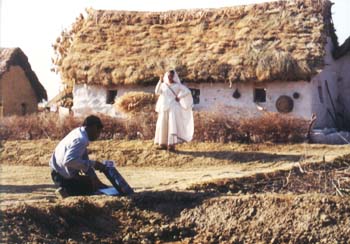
[
  {"x": 92, "y": 99},
  {"x": 218, "y": 97},
  {"x": 213, "y": 97},
  {"x": 343, "y": 78},
  {"x": 329, "y": 74}
]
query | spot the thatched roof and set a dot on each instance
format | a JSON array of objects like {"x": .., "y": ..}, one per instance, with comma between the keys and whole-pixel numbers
[
  {"x": 342, "y": 50},
  {"x": 283, "y": 40},
  {"x": 15, "y": 57}
]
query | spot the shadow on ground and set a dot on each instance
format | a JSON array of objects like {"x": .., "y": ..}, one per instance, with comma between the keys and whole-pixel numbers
[
  {"x": 168, "y": 203},
  {"x": 243, "y": 157},
  {"x": 26, "y": 188}
]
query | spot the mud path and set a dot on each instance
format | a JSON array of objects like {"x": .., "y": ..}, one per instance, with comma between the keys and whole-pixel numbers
[{"x": 34, "y": 184}]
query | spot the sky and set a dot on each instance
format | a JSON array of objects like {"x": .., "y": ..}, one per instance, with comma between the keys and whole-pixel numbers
[{"x": 34, "y": 25}]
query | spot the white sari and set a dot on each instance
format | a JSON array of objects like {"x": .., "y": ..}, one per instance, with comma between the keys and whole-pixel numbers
[{"x": 175, "y": 119}]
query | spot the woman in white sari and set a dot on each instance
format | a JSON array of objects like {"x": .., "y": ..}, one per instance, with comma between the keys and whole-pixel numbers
[{"x": 174, "y": 108}]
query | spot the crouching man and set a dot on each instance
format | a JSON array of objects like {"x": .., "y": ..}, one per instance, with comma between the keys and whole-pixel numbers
[{"x": 71, "y": 170}]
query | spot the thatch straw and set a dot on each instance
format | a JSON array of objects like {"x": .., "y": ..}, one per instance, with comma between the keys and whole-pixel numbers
[
  {"x": 281, "y": 66},
  {"x": 204, "y": 45},
  {"x": 132, "y": 102}
]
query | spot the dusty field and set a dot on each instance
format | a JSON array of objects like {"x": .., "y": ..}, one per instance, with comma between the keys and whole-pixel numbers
[{"x": 205, "y": 192}]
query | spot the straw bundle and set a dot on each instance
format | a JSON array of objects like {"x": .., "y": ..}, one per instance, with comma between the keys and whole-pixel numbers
[{"x": 132, "y": 102}]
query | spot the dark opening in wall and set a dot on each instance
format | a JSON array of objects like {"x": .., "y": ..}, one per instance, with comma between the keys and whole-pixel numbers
[
  {"x": 111, "y": 94},
  {"x": 195, "y": 95},
  {"x": 24, "y": 109},
  {"x": 236, "y": 94},
  {"x": 320, "y": 94},
  {"x": 260, "y": 95}
]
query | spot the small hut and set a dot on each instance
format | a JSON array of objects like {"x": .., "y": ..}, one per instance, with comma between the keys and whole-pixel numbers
[
  {"x": 274, "y": 56},
  {"x": 20, "y": 89}
]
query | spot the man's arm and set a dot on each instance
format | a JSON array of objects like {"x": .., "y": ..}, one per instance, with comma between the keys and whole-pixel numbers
[
  {"x": 96, "y": 183},
  {"x": 76, "y": 156}
]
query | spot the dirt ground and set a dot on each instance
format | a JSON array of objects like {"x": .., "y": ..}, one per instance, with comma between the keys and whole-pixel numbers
[{"x": 204, "y": 192}]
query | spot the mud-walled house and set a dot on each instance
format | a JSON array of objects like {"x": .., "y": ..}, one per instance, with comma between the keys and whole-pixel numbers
[
  {"x": 20, "y": 89},
  {"x": 239, "y": 61}
]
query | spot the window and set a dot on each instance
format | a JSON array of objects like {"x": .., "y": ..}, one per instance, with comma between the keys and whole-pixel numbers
[
  {"x": 260, "y": 95},
  {"x": 195, "y": 95},
  {"x": 24, "y": 108},
  {"x": 111, "y": 94}
]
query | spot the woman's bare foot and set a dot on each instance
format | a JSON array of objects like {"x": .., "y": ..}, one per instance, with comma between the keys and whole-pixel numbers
[
  {"x": 161, "y": 147},
  {"x": 171, "y": 148}
]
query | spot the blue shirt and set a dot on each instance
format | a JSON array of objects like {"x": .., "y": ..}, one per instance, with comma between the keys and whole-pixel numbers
[{"x": 70, "y": 155}]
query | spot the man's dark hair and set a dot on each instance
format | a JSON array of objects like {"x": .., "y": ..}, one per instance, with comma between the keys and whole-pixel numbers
[
  {"x": 93, "y": 120},
  {"x": 172, "y": 72}
]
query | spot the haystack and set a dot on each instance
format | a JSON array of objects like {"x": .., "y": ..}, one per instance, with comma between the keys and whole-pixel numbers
[
  {"x": 132, "y": 102},
  {"x": 281, "y": 40}
]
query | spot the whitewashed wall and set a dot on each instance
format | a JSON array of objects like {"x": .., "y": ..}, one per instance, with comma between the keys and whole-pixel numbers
[
  {"x": 218, "y": 97},
  {"x": 92, "y": 99},
  {"x": 213, "y": 97},
  {"x": 343, "y": 78},
  {"x": 329, "y": 74}
]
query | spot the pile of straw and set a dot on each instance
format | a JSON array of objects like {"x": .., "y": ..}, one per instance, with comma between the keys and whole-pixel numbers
[{"x": 133, "y": 102}]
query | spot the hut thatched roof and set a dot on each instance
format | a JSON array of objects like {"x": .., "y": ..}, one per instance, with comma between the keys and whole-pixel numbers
[
  {"x": 15, "y": 57},
  {"x": 282, "y": 40}
]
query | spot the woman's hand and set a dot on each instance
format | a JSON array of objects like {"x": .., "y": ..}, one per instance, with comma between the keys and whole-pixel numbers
[{"x": 161, "y": 78}]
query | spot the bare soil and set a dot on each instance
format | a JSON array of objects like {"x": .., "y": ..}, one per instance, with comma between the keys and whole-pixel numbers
[{"x": 203, "y": 193}]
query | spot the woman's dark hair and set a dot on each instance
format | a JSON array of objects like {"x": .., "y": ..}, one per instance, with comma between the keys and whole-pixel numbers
[{"x": 93, "y": 120}]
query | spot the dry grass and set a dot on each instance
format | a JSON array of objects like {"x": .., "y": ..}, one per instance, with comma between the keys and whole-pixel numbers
[
  {"x": 327, "y": 178},
  {"x": 271, "y": 127},
  {"x": 42, "y": 125},
  {"x": 274, "y": 127}
]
